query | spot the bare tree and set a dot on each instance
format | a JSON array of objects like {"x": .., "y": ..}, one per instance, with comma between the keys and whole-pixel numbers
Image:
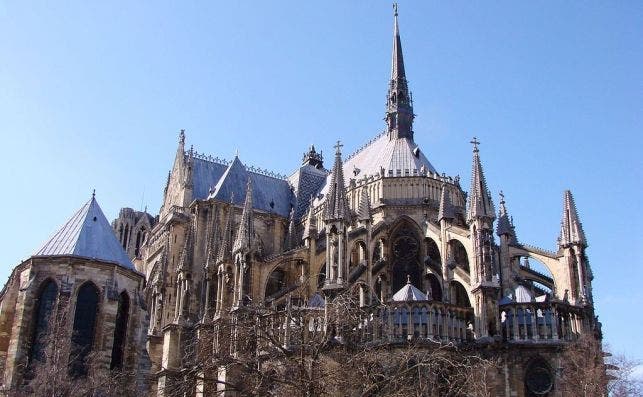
[
  {"x": 50, "y": 374},
  {"x": 621, "y": 378},
  {"x": 293, "y": 349}
]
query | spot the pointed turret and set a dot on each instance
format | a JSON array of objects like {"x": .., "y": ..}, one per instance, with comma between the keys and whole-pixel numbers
[
  {"x": 291, "y": 238},
  {"x": 313, "y": 158},
  {"x": 571, "y": 231},
  {"x": 446, "y": 210},
  {"x": 479, "y": 203},
  {"x": 185, "y": 260},
  {"x": 505, "y": 223},
  {"x": 212, "y": 241},
  {"x": 245, "y": 235},
  {"x": 399, "y": 110},
  {"x": 225, "y": 248},
  {"x": 336, "y": 202},
  {"x": 310, "y": 227},
  {"x": 364, "y": 209}
]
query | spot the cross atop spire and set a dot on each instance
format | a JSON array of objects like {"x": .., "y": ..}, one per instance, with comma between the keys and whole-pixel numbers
[
  {"x": 399, "y": 109},
  {"x": 338, "y": 147},
  {"x": 475, "y": 142},
  {"x": 336, "y": 202}
]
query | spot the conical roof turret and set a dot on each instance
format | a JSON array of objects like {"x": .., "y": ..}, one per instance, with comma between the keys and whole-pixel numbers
[
  {"x": 336, "y": 203},
  {"x": 87, "y": 234},
  {"x": 479, "y": 203},
  {"x": 245, "y": 235},
  {"x": 571, "y": 231}
]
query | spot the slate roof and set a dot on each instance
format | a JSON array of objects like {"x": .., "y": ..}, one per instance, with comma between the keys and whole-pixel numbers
[
  {"x": 204, "y": 175},
  {"x": 215, "y": 180},
  {"x": 409, "y": 293},
  {"x": 307, "y": 181},
  {"x": 87, "y": 234},
  {"x": 398, "y": 157}
]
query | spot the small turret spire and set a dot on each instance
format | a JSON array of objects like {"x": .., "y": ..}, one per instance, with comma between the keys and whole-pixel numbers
[
  {"x": 399, "y": 109},
  {"x": 245, "y": 236},
  {"x": 225, "y": 250},
  {"x": 479, "y": 203},
  {"x": 446, "y": 210},
  {"x": 571, "y": 227},
  {"x": 310, "y": 228},
  {"x": 364, "y": 209},
  {"x": 336, "y": 202},
  {"x": 505, "y": 223}
]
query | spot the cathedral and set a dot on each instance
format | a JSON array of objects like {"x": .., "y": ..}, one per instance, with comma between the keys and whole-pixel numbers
[{"x": 428, "y": 260}]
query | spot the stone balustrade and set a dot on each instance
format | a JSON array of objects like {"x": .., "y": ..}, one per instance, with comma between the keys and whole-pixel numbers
[
  {"x": 392, "y": 323},
  {"x": 541, "y": 321}
]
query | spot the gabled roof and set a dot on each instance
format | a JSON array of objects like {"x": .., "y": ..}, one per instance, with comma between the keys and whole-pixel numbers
[
  {"x": 269, "y": 194},
  {"x": 87, "y": 234}
]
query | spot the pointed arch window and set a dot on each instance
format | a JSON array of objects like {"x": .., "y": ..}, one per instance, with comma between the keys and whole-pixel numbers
[
  {"x": 120, "y": 331},
  {"x": 45, "y": 305},
  {"x": 87, "y": 306}
]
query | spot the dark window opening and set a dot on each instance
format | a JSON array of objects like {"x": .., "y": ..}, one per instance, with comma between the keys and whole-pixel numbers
[
  {"x": 120, "y": 331},
  {"x": 82, "y": 338},
  {"x": 45, "y": 305}
]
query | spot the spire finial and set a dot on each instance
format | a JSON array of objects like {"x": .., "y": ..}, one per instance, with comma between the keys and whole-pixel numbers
[
  {"x": 408, "y": 279},
  {"x": 338, "y": 146},
  {"x": 475, "y": 142},
  {"x": 399, "y": 107},
  {"x": 502, "y": 197},
  {"x": 182, "y": 137},
  {"x": 93, "y": 194}
]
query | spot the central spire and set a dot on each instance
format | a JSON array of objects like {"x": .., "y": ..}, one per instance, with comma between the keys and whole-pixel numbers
[{"x": 399, "y": 108}]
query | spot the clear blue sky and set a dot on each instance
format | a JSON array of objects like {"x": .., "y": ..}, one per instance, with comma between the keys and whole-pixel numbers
[{"x": 93, "y": 94}]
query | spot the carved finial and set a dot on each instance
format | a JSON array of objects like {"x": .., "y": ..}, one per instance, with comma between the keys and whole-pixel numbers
[
  {"x": 475, "y": 142},
  {"x": 182, "y": 137},
  {"x": 395, "y": 9},
  {"x": 408, "y": 279},
  {"x": 93, "y": 194},
  {"x": 502, "y": 197},
  {"x": 338, "y": 147}
]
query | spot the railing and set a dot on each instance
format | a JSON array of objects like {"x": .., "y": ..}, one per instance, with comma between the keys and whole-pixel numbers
[
  {"x": 392, "y": 323},
  {"x": 541, "y": 321}
]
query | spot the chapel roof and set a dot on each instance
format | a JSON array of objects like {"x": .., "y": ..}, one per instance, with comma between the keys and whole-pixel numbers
[
  {"x": 87, "y": 234},
  {"x": 409, "y": 293}
]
